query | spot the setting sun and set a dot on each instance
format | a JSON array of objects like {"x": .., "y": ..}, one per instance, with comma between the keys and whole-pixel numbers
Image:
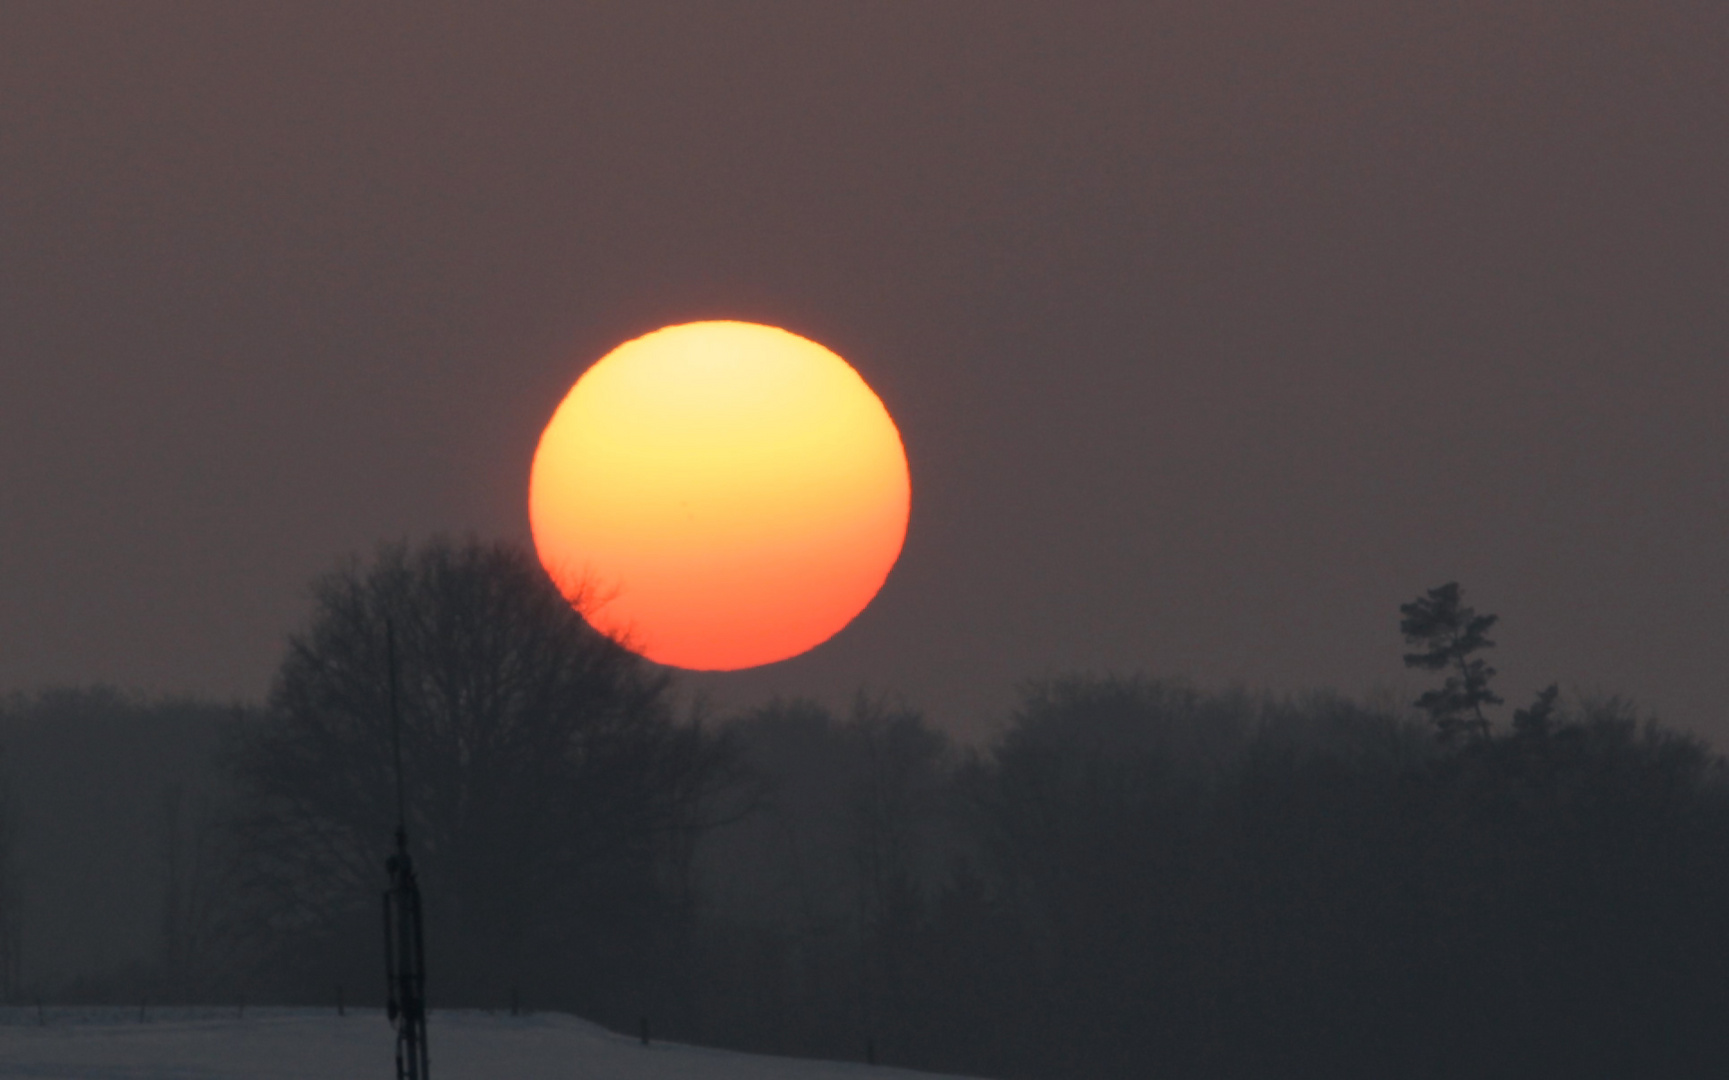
[{"x": 720, "y": 495}]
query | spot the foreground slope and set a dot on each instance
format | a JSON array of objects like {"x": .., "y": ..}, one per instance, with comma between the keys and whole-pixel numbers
[{"x": 309, "y": 1044}]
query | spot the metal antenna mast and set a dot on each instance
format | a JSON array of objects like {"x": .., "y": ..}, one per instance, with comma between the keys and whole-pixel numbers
[{"x": 404, "y": 949}]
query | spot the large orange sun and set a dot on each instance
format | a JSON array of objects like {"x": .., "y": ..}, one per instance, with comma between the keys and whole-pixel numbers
[{"x": 719, "y": 495}]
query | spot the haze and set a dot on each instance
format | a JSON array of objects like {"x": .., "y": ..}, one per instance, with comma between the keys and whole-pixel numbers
[{"x": 1214, "y": 331}]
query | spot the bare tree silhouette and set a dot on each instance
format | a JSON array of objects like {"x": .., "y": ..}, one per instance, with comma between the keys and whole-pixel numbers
[{"x": 542, "y": 769}]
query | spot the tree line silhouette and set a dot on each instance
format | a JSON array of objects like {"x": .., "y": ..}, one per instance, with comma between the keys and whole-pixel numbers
[{"x": 1131, "y": 877}]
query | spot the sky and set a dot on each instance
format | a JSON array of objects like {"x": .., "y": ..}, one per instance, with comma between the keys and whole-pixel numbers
[{"x": 1214, "y": 330}]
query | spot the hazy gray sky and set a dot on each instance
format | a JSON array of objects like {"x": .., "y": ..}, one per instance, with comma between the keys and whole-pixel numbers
[{"x": 1215, "y": 330}]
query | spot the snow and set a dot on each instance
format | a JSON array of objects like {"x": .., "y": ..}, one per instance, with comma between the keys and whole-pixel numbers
[{"x": 316, "y": 1044}]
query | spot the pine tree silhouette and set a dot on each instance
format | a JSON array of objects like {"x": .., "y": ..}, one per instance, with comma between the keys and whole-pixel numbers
[{"x": 1451, "y": 632}]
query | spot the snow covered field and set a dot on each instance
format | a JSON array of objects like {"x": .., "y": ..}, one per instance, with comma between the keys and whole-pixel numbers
[{"x": 313, "y": 1044}]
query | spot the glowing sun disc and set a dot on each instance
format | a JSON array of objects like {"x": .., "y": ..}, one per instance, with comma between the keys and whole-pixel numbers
[{"x": 720, "y": 495}]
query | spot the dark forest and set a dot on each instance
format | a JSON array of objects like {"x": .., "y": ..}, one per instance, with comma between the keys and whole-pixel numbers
[{"x": 1132, "y": 876}]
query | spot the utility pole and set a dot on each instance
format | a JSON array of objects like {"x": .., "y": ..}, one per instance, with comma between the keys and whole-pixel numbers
[{"x": 404, "y": 948}]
